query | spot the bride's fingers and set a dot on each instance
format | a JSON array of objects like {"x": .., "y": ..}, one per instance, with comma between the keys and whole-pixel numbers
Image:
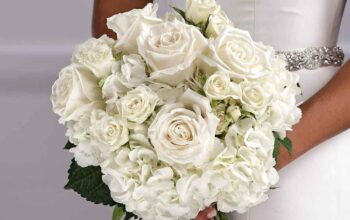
[{"x": 206, "y": 214}]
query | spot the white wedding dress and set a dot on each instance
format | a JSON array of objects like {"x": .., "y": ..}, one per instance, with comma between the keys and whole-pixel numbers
[{"x": 317, "y": 185}]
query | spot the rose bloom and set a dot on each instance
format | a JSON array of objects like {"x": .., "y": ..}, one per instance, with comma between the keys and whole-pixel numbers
[
  {"x": 108, "y": 130},
  {"x": 96, "y": 54},
  {"x": 138, "y": 104},
  {"x": 255, "y": 98},
  {"x": 170, "y": 49},
  {"x": 235, "y": 52},
  {"x": 217, "y": 24},
  {"x": 184, "y": 133},
  {"x": 198, "y": 11},
  {"x": 75, "y": 92},
  {"x": 128, "y": 26},
  {"x": 96, "y": 135},
  {"x": 219, "y": 87}
]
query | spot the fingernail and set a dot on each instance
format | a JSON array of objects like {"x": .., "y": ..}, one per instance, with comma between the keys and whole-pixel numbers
[{"x": 211, "y": 214}]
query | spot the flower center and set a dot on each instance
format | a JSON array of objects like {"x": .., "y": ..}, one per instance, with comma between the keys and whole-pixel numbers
[
  {"x": 169, "y": 38},
  {"x": 134, "y": 105},
  {"x": 219, "y": 84},
  {"x": 254, "y": 96},
  {"x": 180, "y": 132}
]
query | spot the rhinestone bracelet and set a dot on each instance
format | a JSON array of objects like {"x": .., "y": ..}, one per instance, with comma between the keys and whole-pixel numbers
[{"x": 313, "y": 58}]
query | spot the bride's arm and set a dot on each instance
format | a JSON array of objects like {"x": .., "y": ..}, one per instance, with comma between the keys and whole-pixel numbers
[
  {"x": 106, "y": 8},
  {"x": 324, "y": 115}
]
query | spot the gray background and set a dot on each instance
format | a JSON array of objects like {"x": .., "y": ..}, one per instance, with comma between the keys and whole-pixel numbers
[{"x": 36, "y": 40}]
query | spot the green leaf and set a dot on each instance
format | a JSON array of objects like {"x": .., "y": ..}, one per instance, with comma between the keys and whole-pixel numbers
[
  {"x": 181, "y": 12},
  {"x": 130, "y": 215},
  {"x": 287, "y": 143},
  {"x": 200, "y": 26},
  {"x": 69, "y": 145},
  {"x": 222, "y": 216},
  {"x": 274, "y": 187},
  {"x": 204, "y": 26},
  {"x": 88, "y": 183},
  {"x": 276, "y": 149},
  {"x": 118, "y": 213}
]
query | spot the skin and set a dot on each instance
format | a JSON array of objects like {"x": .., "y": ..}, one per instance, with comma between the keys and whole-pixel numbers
[
  {"x": 104, "y": 9},
  {"x": 325, "y": 115}
]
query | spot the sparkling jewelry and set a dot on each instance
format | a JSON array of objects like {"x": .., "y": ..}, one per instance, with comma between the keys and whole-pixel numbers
[{"x": 313, "y": 58}]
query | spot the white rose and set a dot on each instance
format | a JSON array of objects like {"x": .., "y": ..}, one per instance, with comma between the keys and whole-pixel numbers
[
  {"x": 108, "y": 130},
  {"x": 198, "y": 11},
  {"x": 217, "y": 24},
  {"x": 219, "y": 87},
  {"x": 75, "y": 92},
  {"x": 138, "y": 104},
  {"x": 96, "y": 136},
  {"x": 130, "y": 24},
  {"x": 96, "y": 54},
  {"x": 184, "y": 133},
  {"x": 235, "y": 51},
  {"x": 127, "y": 74},
  {"x": 170, "y": 49},
  {"x": 254, "y": 98}
]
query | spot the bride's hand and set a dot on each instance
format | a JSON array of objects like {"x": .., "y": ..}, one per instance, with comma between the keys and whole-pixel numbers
[{"x": 206, "y": 214}]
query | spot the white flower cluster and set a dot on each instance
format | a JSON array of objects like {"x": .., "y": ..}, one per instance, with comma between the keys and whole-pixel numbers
[{"x": 177, "y": 121}]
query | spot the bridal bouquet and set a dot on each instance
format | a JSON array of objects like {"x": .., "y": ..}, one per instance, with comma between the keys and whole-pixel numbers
[{"x": 178, "y": 114}]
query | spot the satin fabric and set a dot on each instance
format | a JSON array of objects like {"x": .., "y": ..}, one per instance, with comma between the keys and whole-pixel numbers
[{"x": 317, "y": 185}]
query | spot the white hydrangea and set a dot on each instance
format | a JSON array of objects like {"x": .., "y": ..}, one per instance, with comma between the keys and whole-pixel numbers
[{"x": 127, "y": 74}]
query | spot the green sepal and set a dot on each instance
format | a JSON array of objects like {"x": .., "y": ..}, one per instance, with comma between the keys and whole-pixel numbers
[
  {"x": 180, "y": 12},
  {"x": 69, "y": 146},
  {"x": 202, "y": 25},
  {"x": 274, "y": 187},
  {"x": 221, "y": 216},
  {"x": 118, "y": 213}
]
